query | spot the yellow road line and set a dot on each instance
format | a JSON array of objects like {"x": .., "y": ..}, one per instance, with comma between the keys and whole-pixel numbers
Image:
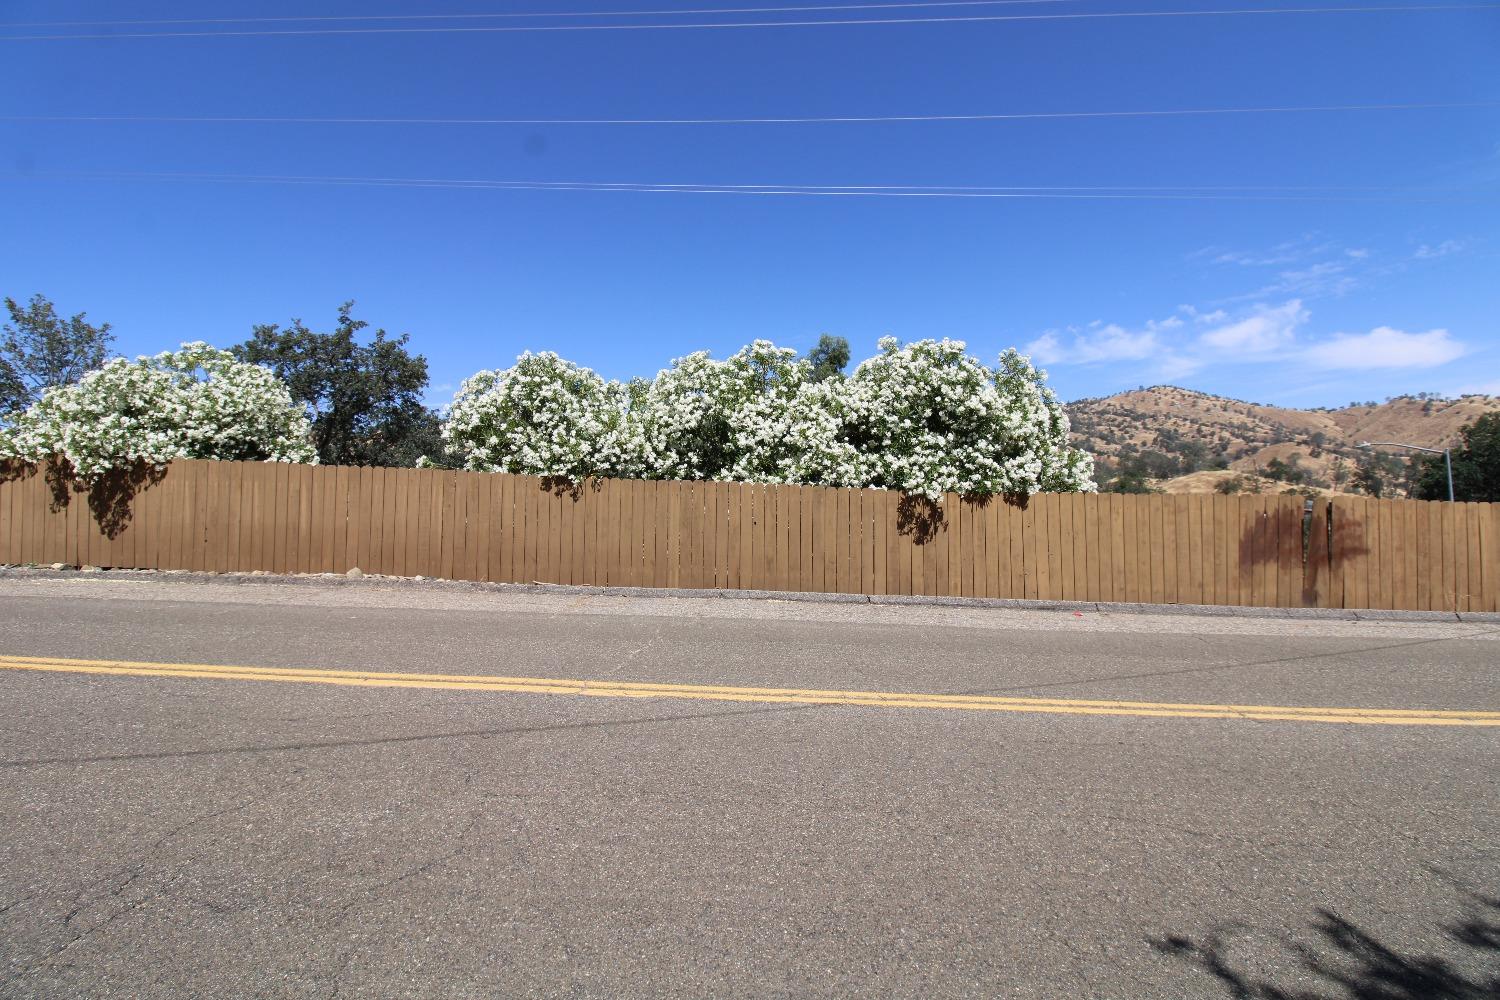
[{"x": 702, "y": 692}]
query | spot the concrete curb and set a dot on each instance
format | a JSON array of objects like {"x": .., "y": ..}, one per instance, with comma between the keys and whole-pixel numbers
[{"x": 338, "y": 580}]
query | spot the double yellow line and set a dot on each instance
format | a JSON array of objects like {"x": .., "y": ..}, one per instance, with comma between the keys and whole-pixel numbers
[{"x": 784, "y": 696}]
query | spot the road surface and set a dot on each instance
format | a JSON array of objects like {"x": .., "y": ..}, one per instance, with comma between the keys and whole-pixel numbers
[{"x": 819, "y": 800}]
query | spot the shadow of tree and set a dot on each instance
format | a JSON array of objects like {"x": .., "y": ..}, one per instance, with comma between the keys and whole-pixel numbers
[
  {"x": 919, "y": 517},
  {"x": 1348, "y": 961},
  {"x": 109, "y": 497},
  {"x": 560, "y": 486}
]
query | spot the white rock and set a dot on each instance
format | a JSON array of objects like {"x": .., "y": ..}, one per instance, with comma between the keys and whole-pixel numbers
[{"x": 355, "y": 573}]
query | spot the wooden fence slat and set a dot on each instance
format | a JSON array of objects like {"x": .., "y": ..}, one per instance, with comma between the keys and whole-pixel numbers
[
  {"x": 1490, "y": 563},
  {"x": 1032, "y": 533},
  {"x": 1156, "y": 547},
  {"x": 1129, "y": 569},
  {"x": 1182, "y": 548},
  {"x": 1458, "y": 513},
  {"x": 1058, "y": 571},
  {"x": 1289, "y": 552},
  {"x": 1101, "y": 557},
  {"x": 1433, "y": 553},
  {"x": 7, "y": 515},
  {"x": 1070, "y": 561},
  {"x": 1378, "y": 568},
  {"x": 1088, "y": 538},
  {"x": 1392, "y": 558},
  {"x": 393, "y": 523},
  {"x": 1410, "y": 530},
  {"x": 320, "y": 531},
  {"x": 1479, "y": 522}
]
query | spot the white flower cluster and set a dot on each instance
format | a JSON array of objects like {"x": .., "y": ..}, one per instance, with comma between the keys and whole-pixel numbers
[
  {"x": 197, "y": 402},
  {"x": 925, "y": 418},
  {"x": 543, "y": 417},
  {"x": 716, "y": 420},
  {"x": 929, "y": 419}
]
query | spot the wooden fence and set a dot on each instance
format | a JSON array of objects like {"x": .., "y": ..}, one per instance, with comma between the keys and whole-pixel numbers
[{"x": 1228, "y": 550}]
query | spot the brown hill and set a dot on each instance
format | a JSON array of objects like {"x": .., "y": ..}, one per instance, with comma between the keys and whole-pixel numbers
[{"x": 1167, "y": 433}]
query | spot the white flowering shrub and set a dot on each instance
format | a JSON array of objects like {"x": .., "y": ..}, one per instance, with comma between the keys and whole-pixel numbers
[
  {"x": 197, "y": 402},
  {"x": 717, "y": 420},
  {"x": 927, "y": 418},
  {"x": 542, "y": 417}
]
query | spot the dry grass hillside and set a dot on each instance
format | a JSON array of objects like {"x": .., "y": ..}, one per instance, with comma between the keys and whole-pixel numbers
[{"x": 1177, "y": 437}]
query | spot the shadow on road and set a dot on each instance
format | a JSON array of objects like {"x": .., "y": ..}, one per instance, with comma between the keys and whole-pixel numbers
[{"x": 1346, "y": 961}]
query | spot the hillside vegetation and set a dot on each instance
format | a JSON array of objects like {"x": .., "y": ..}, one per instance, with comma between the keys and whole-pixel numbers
[{"x": 1184, "y": 441}]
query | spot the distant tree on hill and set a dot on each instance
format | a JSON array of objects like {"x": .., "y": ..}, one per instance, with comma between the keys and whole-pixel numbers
[
  {"x": 1285, "y": 472},
  {"x": 1476, "y": 466},
  {"x": 364, "y": 399},
  {"x": 40, "y": 350},
  {"x": 1367, "y": 479}
]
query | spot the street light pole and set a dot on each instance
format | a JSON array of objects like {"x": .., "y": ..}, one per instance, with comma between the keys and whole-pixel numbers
[{"x": 1447, "y": 454}]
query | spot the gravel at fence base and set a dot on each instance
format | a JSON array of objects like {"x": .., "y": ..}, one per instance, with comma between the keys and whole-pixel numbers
[{"x": 369, "y": 580}]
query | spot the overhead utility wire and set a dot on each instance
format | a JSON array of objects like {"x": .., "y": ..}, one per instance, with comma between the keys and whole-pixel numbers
[
  {"x": 1123, "y": 193},
  {"x": 511, "y": 15},
  {"x": 828, "y": 120},
  {"x": 494, "y": 29}
]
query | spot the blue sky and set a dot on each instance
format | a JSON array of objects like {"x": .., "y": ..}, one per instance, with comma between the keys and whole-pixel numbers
[{"x": 1356, "y": 256}]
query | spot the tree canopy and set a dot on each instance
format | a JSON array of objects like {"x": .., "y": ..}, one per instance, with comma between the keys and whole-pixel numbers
[
  {"x": 1476, "y": 466},
  {"x": 829, "y": 358},
  {"x": 41, "y": 350},
  {"x": 364, "y": 398}
]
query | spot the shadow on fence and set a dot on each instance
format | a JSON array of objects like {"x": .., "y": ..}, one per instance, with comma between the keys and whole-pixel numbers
[{"x": 109, "y": 497}]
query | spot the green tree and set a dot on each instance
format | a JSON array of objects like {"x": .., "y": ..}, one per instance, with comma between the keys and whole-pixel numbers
[
  {"x": 364, "y": 399},
  {"x": 1285, "y": 472},
  {"x": 40, "y": 350},
  {"x": 1367, "y": 479},
  {"x": 829, "y": 358},
  {"x": 1476, "y": 466},
  {"x": 1133, "y": 475}
]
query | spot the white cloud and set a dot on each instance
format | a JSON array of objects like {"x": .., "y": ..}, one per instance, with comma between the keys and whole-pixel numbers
[
  {"x": 1266, "y": 329},
  {"x": 1216, "y": 316},
  {"x": 1046, "y": 349},
  {"x": 1433, "y": 251},
  {"x": 1097, "y": 343},
  {"x": 1175, "y": 366},
  {"x": 1385, "y": 347},
  {"x": 1479, "y": 389},
  {"x": 1290, "y": 252}
]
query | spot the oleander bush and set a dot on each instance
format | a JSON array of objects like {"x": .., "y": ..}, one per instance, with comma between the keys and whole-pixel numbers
[
  {"x": 925, "y": 418},
  {"x": 196, "y": 402}
]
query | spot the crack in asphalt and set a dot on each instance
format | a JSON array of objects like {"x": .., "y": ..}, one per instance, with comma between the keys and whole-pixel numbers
[
  {"x": 87, "y": 896},
  {"x": 398, "y": 740}
]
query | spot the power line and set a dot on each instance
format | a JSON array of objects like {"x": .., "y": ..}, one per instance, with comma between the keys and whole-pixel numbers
[
  {"x": 493, "y": 29},
  {"x": 526, "y": 14},
  {"x": 829, "y": 120},
  {"x": 1113, "y": 192}
]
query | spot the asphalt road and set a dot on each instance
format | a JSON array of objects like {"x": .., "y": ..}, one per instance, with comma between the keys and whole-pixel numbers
[{"x": 224, "y": 836}]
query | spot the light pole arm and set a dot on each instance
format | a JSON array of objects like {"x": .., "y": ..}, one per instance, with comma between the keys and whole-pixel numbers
[{"x": 1447, "y": 454}]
